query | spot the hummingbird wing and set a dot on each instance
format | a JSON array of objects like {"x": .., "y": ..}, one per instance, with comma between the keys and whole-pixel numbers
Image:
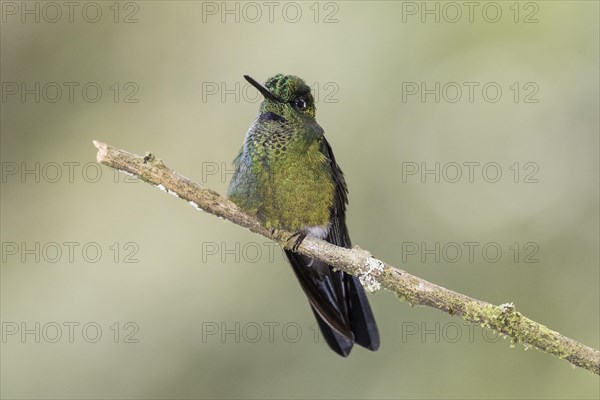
[
  {"x": 360, "y": 314},
  {"x": 338, "y": 299}
]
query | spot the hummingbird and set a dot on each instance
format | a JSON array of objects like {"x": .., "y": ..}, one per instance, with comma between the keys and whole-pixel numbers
[{"x": 287, "y": 177}]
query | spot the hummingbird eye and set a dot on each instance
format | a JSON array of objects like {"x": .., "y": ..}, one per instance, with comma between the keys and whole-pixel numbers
[{"x": 299, "y": 103}]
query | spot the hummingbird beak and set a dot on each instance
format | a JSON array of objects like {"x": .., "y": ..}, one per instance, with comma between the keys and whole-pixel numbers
[{"x": 263, "y": 90}]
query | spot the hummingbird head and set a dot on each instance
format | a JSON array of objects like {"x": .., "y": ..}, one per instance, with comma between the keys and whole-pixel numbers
[{"x": 287, "y": 96}]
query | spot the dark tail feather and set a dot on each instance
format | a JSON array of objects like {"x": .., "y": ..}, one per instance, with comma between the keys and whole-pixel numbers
[
  {"x": 339, "y": 304},
  {"x": 319, "y": 290},
  {"x": 362, "y": 321},
  {"x": 338, "y": 343}
]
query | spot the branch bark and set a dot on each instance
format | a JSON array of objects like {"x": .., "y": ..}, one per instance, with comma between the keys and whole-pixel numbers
[{"x": 373, "y": 273}]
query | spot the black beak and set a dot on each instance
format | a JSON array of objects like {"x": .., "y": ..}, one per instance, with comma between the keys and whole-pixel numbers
[{"x": 265, "y": 92}]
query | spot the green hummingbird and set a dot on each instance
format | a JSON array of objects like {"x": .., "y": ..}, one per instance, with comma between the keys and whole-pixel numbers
[{"x": 287, "y": 177}]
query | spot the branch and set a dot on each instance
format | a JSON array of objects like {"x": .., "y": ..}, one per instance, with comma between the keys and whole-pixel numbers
[{"x": 373, "y": 273}]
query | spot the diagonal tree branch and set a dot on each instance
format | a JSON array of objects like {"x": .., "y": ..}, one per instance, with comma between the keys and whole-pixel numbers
[{"x": 373, "y": 273}]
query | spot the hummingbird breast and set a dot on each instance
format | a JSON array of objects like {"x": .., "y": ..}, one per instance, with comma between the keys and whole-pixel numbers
[{"x": 283, "y": 177}]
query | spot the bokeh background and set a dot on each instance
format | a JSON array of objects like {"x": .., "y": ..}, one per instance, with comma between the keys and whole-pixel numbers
[{"x": 180, "y": 304}]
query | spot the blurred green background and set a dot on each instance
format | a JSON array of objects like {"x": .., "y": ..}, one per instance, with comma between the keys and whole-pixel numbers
[{"x": 215, "y": 310}]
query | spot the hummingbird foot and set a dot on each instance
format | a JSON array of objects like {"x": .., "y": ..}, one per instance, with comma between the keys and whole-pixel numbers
[{"x": 300, "y": 236}]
